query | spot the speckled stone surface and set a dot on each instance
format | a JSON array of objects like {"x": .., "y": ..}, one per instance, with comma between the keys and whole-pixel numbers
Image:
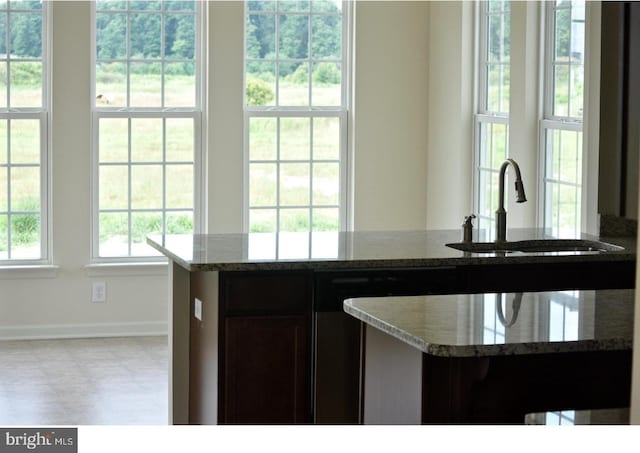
[
  {"x": 470, "y": 325},
  {"x": 352, "y": 250},
  {"x": 611, "y": 225},
  {"x": 615, "y": 416}
]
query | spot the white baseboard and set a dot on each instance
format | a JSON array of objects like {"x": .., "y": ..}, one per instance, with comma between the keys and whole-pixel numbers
[{"x": 52, "y": 331}]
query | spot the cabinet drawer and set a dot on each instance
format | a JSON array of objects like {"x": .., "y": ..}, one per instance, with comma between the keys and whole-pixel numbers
[{"x": 267, "y": 293}]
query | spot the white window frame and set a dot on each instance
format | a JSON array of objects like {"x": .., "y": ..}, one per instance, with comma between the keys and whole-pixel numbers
[
  {"x": 551, "y": 122},
  {"x": 43, "y": 115},
  {"x": 197, "y": 114},
  {"x": 340, "y": 112},
  {"x": 483, "y": 117}
]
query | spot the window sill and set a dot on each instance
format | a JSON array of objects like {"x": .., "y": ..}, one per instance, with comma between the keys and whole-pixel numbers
[
  {"x": 127, "y": 269},
  {"x": 28, "y": 271}
]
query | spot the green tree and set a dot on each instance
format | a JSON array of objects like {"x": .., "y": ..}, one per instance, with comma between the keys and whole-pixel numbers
[
  {"x": 111, "y": 35},
  {"x": 293, "y": 32},
  {"x": 499, "y": 37},
  {"x": 326, "y": 31},
  {"x": 563, "y": 33},
  {"x": 261, "y": 35},
  {"x": 179, "y": 36},
  {"x": 26, "y": 34},
  {"x": 145, "y": 35}
]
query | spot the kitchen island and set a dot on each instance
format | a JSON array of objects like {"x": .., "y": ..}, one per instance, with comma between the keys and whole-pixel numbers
[
  {"x": 258, "y": 332},
  {"x": 493, "y": 358}
]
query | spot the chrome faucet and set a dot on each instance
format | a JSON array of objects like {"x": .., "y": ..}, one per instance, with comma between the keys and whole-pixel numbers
[{"x": 501, "y": 214}]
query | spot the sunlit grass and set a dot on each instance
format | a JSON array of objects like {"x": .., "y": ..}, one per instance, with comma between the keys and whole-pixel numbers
[
  {"x": 277, "y": 180},
  {"x": 146, "y": 148},
  {"x": 143, "y": 166}
]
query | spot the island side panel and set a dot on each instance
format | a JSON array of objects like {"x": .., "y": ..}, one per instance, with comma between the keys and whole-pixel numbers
[
  {"x": 178, "y": 344},
  {"x": 204, "y": 349},
  {"x": 392, "y": 381}
]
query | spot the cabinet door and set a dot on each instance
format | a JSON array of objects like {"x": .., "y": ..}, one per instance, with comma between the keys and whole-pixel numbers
[{"x": 267, "y": 370}]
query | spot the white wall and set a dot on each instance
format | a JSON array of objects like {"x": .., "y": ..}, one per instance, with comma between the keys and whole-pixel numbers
[
  {"x": 49, "y": 303},
  {"x": 524, "y": 105},
  {"x": 390, "y": 109},
  {"x": 450, "y": 109},
  {"x": 590, "y": 220},
  {"x": 225, "y": 98},
  {"x": 389, "y": 153}
]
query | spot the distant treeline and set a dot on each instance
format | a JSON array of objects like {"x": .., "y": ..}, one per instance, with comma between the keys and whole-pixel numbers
[
  {"x": 179, "y": 37},
  {"x": 326, "y": 33}
]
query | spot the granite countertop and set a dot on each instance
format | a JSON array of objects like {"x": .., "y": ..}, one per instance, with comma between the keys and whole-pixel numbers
[
  {"x": 332, "y": 250},
  {"x": 474, "y": 326}
]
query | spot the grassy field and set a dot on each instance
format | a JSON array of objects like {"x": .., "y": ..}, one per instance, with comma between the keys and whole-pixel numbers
[
  {"x": 305, "y": 161},
  {"x": 299, "y": 138},
  {"x": 146, "y": 166},
  {"x": 294, "y": 160},
  {"x": 24, "y": 189}
]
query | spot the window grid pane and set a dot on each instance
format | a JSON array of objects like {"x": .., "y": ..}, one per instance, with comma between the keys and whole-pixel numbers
[
  {"x": 562, "y": 128},
  {"x": 147, "y": 115},
  {"x": 493, "y": 330},
  {"x": 563, "y": 186},
  {"x": 296, "y": 186},
  {"x": 496, "y": 42},
  {"x": 145, "y": 59},
  {"x": 142, "y": 190},
  {"x": 494, "y": 141},
  {"x": 294, "y": 98},
  {"x": 567, "y": 59},
  {"x": 23, "y": 117},
  {"x": 493, "y": 114},
  {"x": 294, "y": 56}
]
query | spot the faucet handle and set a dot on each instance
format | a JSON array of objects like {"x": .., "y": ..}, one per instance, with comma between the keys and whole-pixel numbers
[
  {"x": 468, "y": 219},
  {"x": 467, "y": 228}
]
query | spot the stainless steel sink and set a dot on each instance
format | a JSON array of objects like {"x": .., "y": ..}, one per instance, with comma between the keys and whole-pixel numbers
[{"x": 536, "y": 246}]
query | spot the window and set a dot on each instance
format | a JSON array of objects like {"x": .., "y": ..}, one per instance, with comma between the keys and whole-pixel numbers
[
  {"x": 564, "y": 316},
  {"x": 492, "y": 134},
  {"x": 561, "y": 127},
  {"x": 295, "y": 115},
  {"x": 560, "y": 119},
  {"x": 492, "y": 118},
  {"x": 560, "y": 123},
  {"x": 493, "y": 330},
  {"x": 146, "y": 123},
  {"x": 23, "y": 132}
]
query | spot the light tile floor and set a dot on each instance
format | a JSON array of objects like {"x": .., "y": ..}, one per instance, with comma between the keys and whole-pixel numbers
[{"x": 94, "y": 381}]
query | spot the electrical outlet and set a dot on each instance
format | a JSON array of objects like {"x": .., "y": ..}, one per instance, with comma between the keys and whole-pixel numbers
[
  {"x": 197, "y": 309},
  {"x": 99, "y": 292}
]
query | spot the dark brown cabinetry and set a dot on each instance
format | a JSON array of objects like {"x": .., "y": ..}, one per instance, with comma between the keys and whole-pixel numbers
[
  {"x": 268, "y": 342},
  {"x": 266, "y": 370},
  {"x": 276, "y": 347},
  {"x": 265, "y": 322}
]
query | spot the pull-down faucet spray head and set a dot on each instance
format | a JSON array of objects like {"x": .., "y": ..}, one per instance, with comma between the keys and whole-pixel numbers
[
  {"x": 520, "y": 196},
  {"x": 501, "y": 214}
]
